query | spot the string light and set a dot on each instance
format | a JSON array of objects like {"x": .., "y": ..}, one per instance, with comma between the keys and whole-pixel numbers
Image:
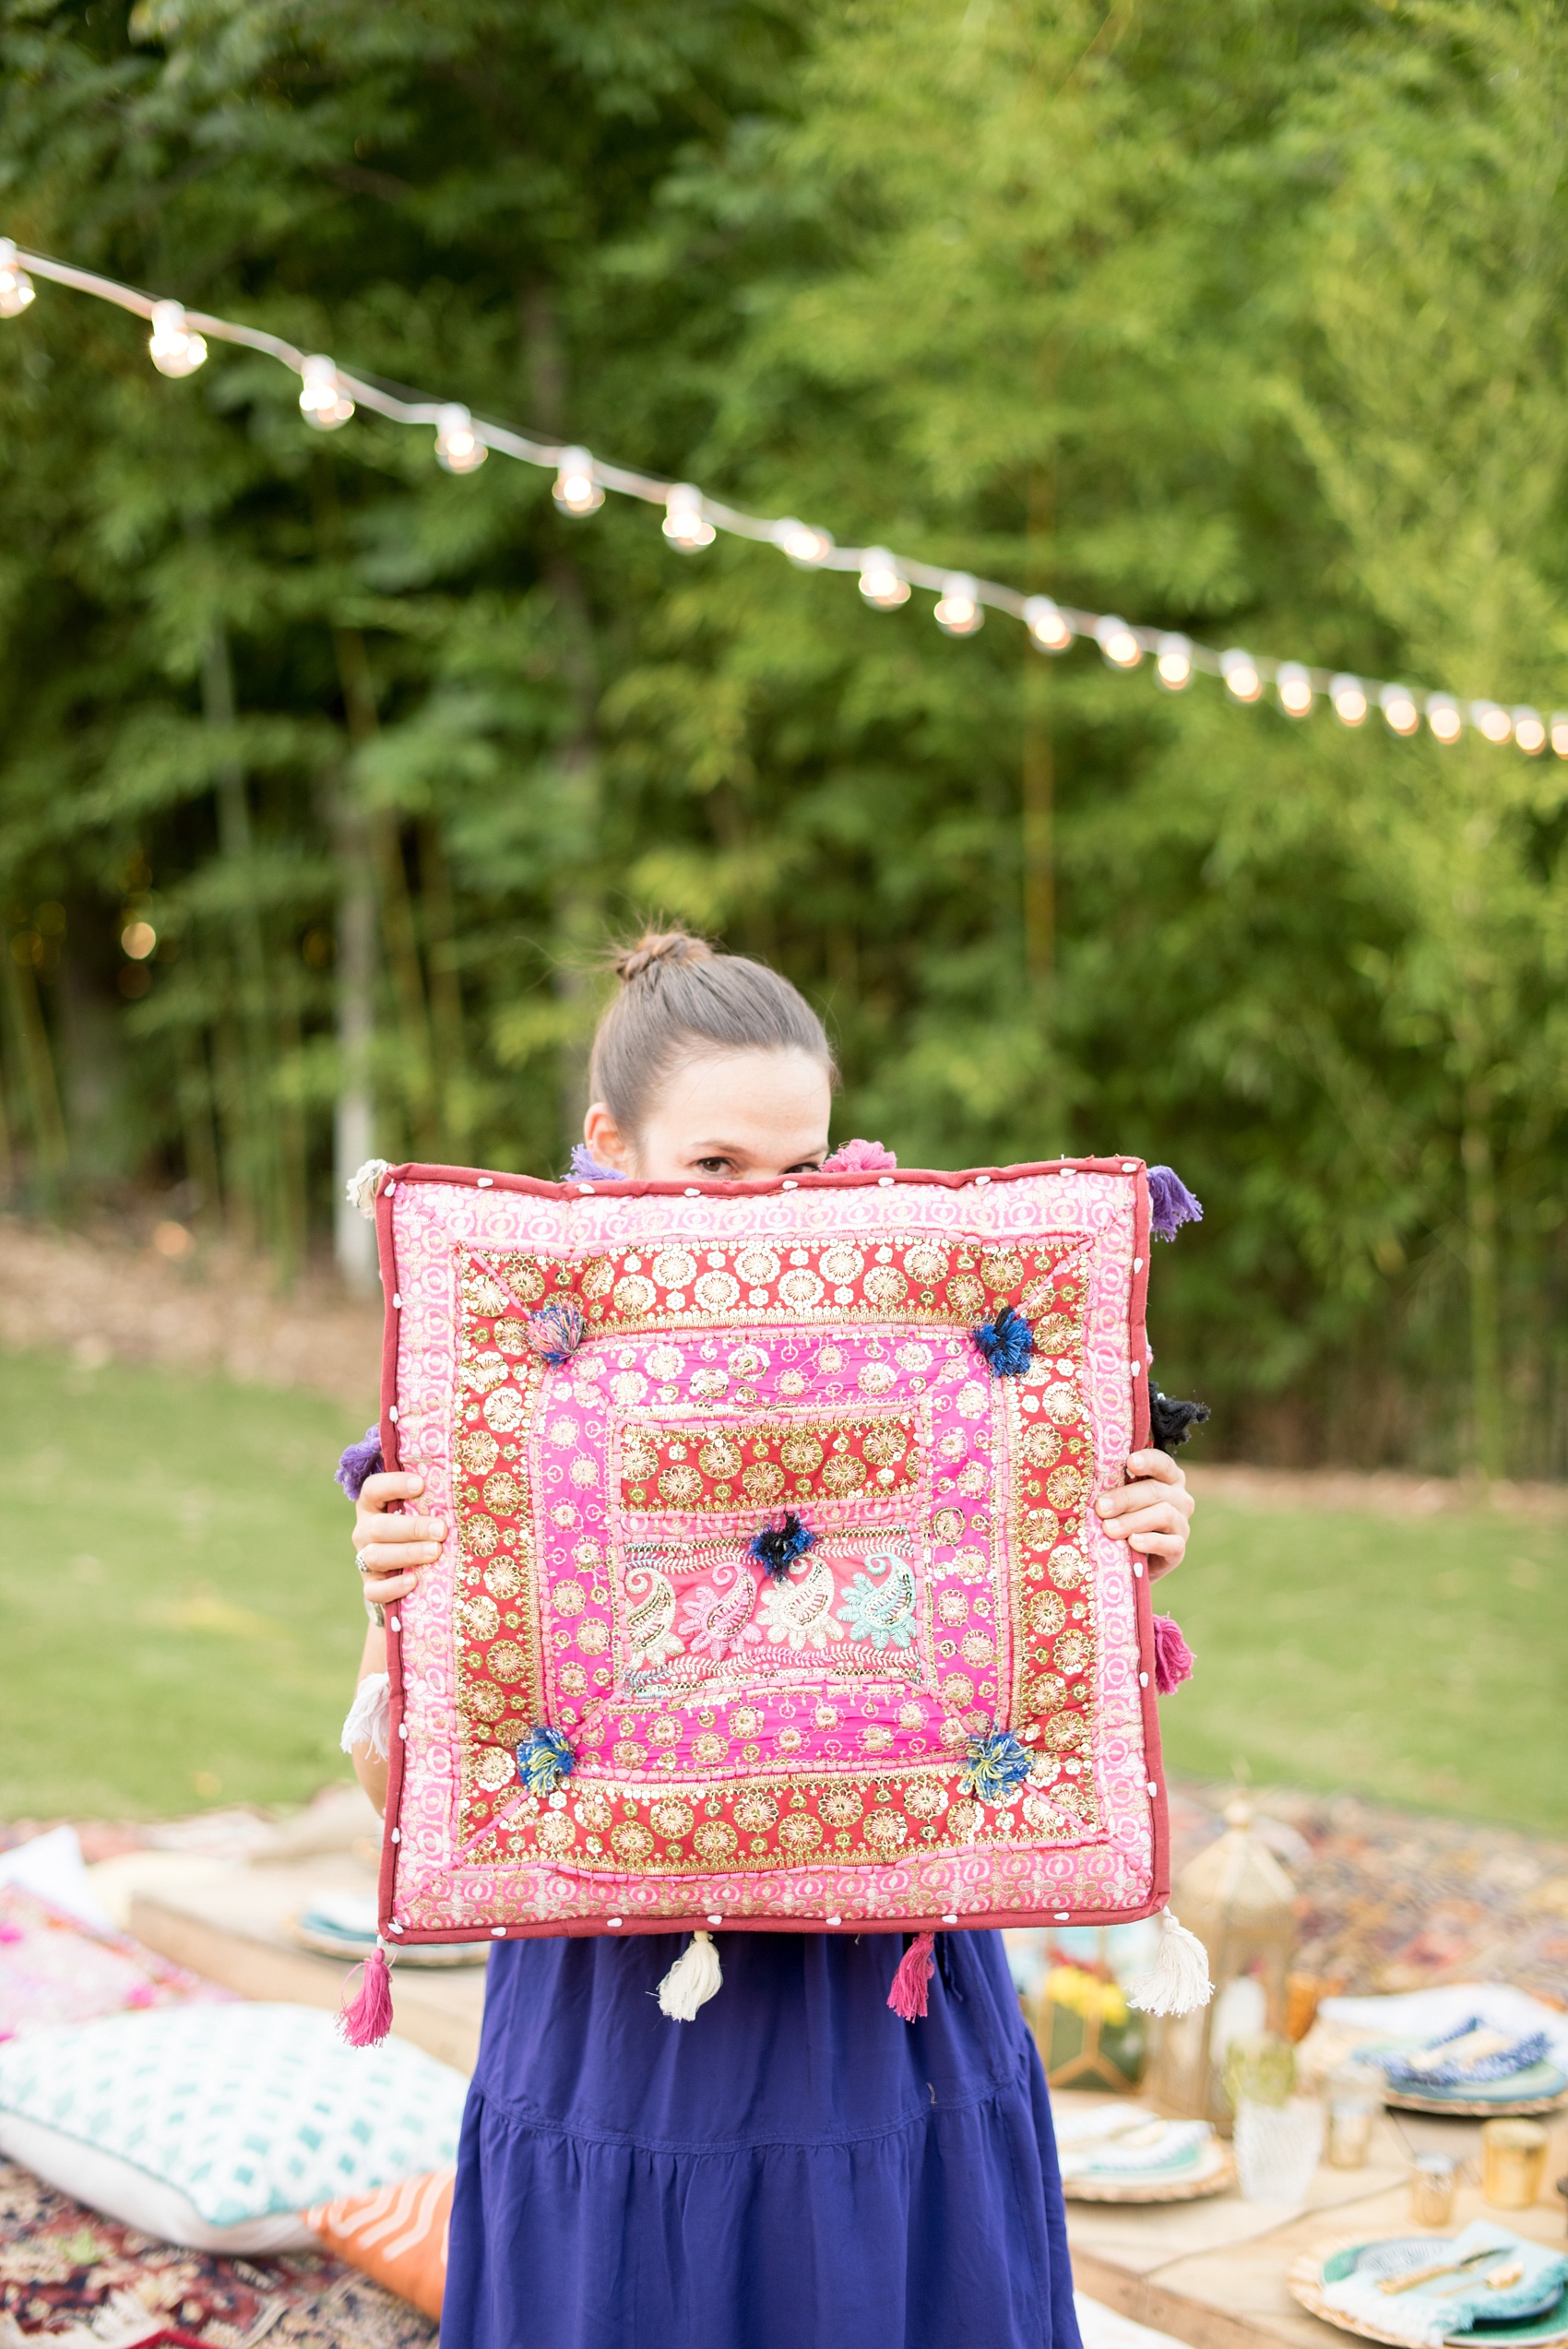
[
  {"x": 1398, "y": 705},
  {"x": 1173, "y": 662},
  {"x": 576, "y": 490},
  {"x": 1293, "y": 683},
  {"x": 1239, "y": 671},
  {"x": 881, "y": 582},
  {"x": 457, "y": 445},
  {"x": 958, "y": 613},
  {"x": 1117, "y": 642},
  {"x": 1444, "y": 717},
  {"x": 323, "y": 401},
  {"x": 685, "y": 524},
  {"x": 176, "y": 349},
  {"x": 1046, "y": 626},
  {"x": 803, "y": 545},
  {"x": 16, "y": 289},
  {"x": 329, "y": 398}
]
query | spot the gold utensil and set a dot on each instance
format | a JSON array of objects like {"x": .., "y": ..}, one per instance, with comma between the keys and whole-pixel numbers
[{"x": 1392, "y": 2283}]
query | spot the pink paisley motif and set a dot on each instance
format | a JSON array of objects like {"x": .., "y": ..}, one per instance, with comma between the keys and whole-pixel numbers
[{"x": 713, "y": 1615}]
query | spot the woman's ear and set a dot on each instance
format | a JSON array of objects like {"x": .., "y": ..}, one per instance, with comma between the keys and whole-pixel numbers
[{"x": 605, "y": 1145}]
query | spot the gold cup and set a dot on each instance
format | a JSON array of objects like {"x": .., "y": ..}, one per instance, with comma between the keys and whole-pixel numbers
[
  {"x": 1513, "y": 2163},
  {"x": 1434, "y": 2177}
]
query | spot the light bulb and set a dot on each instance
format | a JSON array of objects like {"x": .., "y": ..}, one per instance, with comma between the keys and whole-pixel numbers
[
  {"x": 958, "y": 609},
  {"x": 457, "y": 445},
  {"x": 1349, "y": 699},
  {"x": 1239, "y": 671},
  {"x": 1398, "y": 705},
  {"x": 1528, "y": 731},
  {"x": 1174, "y": 659},
  {"x": 1117, "y": 642},
  {"x": 576, "y": 490},
  {"x": 139, "y": 939},
  {"x": 1559, "y": 732},
  {"x": 880, "y": 582},
  {"x": 685, "y": 524},
  {"x": 1046, "y": 626},
  {"x": 323, "y": 401},
  {"x": 1443, "y": 716},
  {"x": 175, "y": 349},
  {"x": 1494, "y": 723},
  {"x": 17, "y": 288},
  {"x": 1293, "y": 684},
  {"x": 801, "y": 542}
]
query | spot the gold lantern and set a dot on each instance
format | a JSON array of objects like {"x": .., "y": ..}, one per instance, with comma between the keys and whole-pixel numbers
[{"x": 1238, "y": 1900}]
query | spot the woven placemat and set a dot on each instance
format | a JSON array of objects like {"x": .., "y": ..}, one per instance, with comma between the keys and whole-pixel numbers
[
  {"x": 1303, "y": 2279},
  {"x": 1218, "y": 2172}
]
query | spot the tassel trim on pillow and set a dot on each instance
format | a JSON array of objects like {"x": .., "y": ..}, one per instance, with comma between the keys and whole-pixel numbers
[
  {"x": 910, "y": 1994},
  {"x": 1172, "y": 1657},
  {"x": 693, "y": 1978},
  {"x": 1178, "y": 1981},
  {"x": 369, "y": 1721},
  {"x": 362, "y": 1187},
  {"x": 366, "y": 2018}
]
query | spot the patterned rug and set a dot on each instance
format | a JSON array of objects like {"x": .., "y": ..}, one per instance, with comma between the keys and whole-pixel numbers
[
  {"x": 75, "y": 2281},
  {"x": 1395, "y": 1899}
]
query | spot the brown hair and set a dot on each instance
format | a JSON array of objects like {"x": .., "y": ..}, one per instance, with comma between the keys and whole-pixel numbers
[{"x": 678, "y": 1000}]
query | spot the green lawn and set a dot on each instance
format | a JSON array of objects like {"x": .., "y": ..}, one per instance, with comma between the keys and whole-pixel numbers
[
  {"x": 1424, "y": 1662},
  {"x": 178, "y": 1624},
  {"x": 178, "y": 1621}
]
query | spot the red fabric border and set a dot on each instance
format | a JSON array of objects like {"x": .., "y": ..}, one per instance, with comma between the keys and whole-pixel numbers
[{"x": 590, "y": 1928}]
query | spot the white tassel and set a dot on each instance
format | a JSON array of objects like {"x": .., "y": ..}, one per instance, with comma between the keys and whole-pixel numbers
[
  {"x": 692, "y": 1980},
  {"x": 370, "y": 1720},
  {"x": 360, "y": 1188},
  {"x": 1178, "y": 1981}
]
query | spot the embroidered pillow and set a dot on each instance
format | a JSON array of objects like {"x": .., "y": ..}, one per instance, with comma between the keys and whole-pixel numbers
[{"x": 774, "y": 1594}]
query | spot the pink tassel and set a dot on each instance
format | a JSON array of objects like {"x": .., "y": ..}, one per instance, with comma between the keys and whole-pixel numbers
[
  {"x": 367, "y": 2018},
  {"x": 910, "y": 1994},
  {"x": 1172, "y": 1657}
]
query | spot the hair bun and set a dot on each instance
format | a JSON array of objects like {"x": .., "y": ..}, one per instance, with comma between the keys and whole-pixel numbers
[{"x": 659, "y": 946}]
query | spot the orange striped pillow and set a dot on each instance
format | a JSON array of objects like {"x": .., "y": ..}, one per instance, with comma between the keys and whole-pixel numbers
[{"x": 397, "y": 2236}]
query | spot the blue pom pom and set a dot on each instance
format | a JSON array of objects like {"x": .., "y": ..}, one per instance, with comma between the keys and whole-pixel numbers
[
  {"x": 777, "y": 1546},
  {"x": 555, "y": 1332},
  {"x": 1007, "y": 1344},
  {"x": 997, "y": 1764},
  {"x": 544, "y": 1758}
]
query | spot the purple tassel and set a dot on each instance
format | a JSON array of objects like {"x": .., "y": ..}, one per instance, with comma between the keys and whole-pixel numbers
[
  {"x": 860, "y": 1158},
  {"x": 360, "y": 1460},
  {"x": 585, "y": 1167},
  {"x": 555, "y": 1332},
  {"x": 1172, "y": 1657},
  {"x": 1171, "y": 1204}
]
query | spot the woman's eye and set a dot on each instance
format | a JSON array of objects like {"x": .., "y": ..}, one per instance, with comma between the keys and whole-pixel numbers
[
  {"x": 715, "y": 1167},
  {"x": 806, "y": 1166}
]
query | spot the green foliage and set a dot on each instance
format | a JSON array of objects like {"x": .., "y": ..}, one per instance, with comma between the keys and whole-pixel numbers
[
  {"x": 179, "y": 1626},
  {"x": 1247, "y": 324}
]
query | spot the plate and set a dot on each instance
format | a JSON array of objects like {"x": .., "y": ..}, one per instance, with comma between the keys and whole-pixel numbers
[
  {"x": 1540, "y": 2088},
  {"x": 342, "y": 1925},
  {"x": 1212, "y": 2172},
  {"x": 1307, "y": 2275}
]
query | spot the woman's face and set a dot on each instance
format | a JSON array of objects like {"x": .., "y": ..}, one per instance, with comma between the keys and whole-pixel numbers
[{"x": 724, "y": 1117}]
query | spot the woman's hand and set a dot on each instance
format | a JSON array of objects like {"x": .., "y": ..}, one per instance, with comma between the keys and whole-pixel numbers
[
  {"x": 1151, "y": 1512},
  {"x": 394, "y": 1549}
]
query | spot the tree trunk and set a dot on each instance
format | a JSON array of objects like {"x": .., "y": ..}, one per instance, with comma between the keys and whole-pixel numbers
[
  {"x": 353, "y": 1122},
  {"x": 1488, "y": 1433}
]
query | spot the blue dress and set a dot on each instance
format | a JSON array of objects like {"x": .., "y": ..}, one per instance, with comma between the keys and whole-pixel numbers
[{"x": 795, "y": 2169}]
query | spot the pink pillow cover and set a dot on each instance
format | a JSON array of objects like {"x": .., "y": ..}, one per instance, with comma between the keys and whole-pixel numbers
[{"x": 940, "y": 1712}]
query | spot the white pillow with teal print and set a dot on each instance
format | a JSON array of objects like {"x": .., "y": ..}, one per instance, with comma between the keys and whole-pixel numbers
[{"x": 246, "y": 2111}]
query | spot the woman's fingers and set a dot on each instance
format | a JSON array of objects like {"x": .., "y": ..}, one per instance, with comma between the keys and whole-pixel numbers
[
  {"x": 388, "y": 1485},
  {"x": 1151, "y": 1512}
]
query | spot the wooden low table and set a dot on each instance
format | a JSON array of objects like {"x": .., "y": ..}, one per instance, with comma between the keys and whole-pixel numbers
[
  {"x": 1212, "y": 2274},
  {"x": 232, "y": 1926}
]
